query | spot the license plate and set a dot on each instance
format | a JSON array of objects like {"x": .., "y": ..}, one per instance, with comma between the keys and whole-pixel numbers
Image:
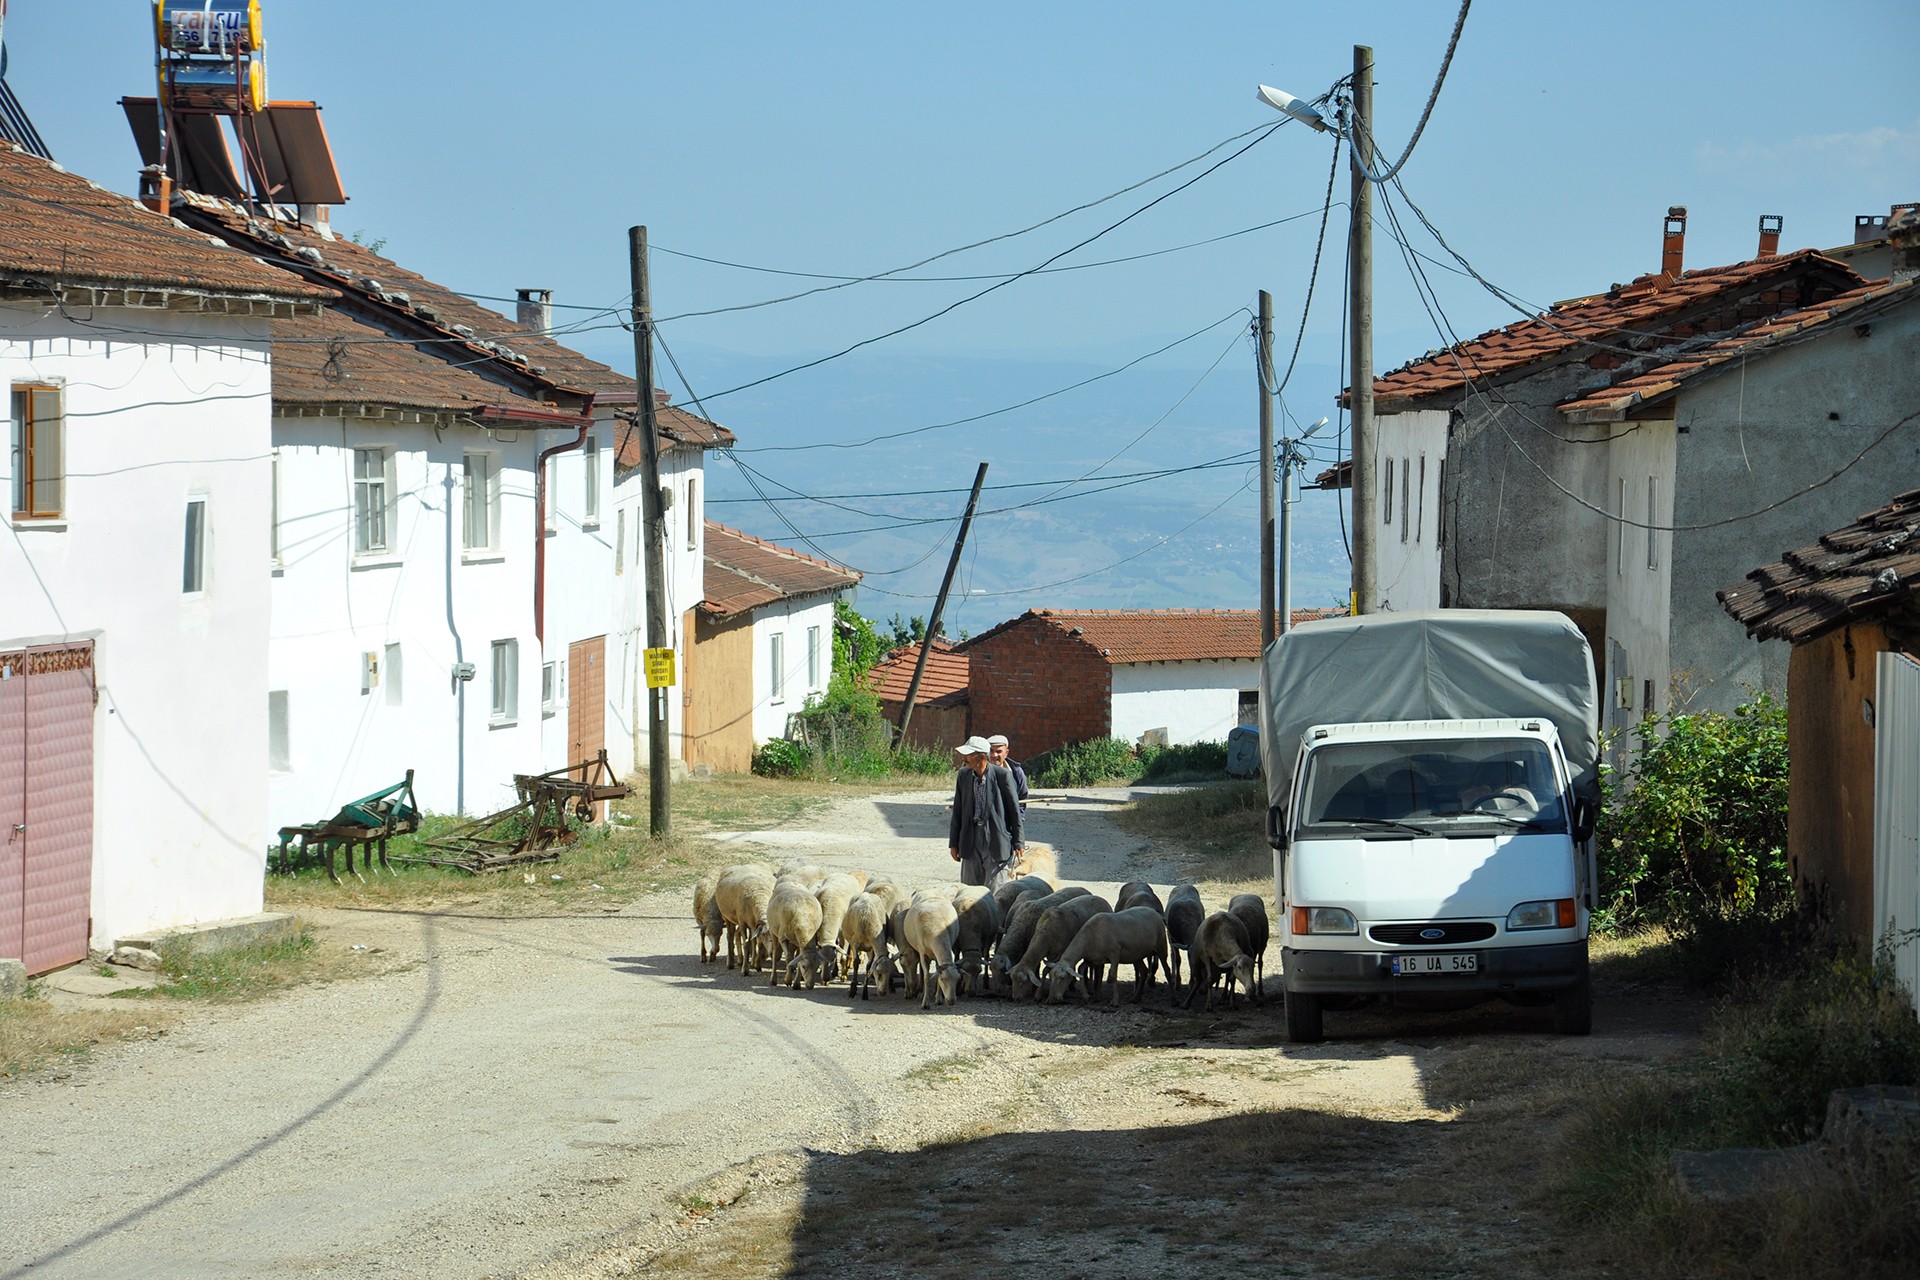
[{"x": 1444, "y": 962}]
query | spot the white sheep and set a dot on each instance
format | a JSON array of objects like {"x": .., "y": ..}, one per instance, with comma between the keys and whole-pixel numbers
[
  {"x": 1051, "y": 936},
  {"x": 793, "y": 918},
  {"x": 1019, "y": 932},
  {"x": 1136, "y": 936},
  {"x": 834, "y": 893},
  {"x": 1250, "y": 909},
  {"x": 707, "y": 920},
  {"x": 1219, "y": 951},
  {"x": 742, "y": 892},
  {"x": 980, "y": 927},
  {"x": 863, "y": 931},
  {"x": 1185, "y": 911},
  {"x": 931, "y": 926}
]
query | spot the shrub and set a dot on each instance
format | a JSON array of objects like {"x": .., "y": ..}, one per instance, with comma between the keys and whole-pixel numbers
[
  {"x": 781, "y": 759},
  {"x": 1186, "y": 760},
  {"x": 1083, "y": 763}
]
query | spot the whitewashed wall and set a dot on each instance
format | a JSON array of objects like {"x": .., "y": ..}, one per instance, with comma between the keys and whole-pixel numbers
[
  {"x": 627, "y": 716},
  {"x": 1192, "y": 701},
  {"x": 580, "y": 602},
  {"x": 180, "y": 797},
  {"x": 791, "y": 621},
  {"x": 1638, "y": 618},
  {"x": 1412, "y": 446}
]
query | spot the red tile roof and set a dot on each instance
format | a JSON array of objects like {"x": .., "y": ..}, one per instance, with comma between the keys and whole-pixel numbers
[
  {"x": 1649, "y": 314},
  {"x": 336, "y": 360},
  {"x": 948, "y": 672},
  {"x": 1869, "y": 569},
  {"x": 744, "y": 572},
  {"x": 1629, "y": 393},
  {"x": 62, "y": 230},
  {"x": 1155, "y": 635},
  {"x": 677, "y": 427}
]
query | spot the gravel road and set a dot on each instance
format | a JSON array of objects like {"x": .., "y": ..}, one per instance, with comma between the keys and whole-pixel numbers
[{"x": 520, "y": 1092}]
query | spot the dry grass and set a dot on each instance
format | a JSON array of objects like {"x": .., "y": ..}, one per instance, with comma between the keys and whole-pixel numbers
[
  {"x": 1220, "y": 825},
  {"x": 36, "y": 1035}
]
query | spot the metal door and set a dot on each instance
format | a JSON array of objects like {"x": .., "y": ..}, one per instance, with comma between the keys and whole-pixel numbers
[
  {"x": 1896, "y": 814},
  {"x": 587, "y": 703},
  {"x": 46, "y": 804}
]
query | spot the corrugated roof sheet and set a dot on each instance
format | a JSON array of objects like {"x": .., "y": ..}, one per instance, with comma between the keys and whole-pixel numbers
[
  {"x": 60, "y": 228},
  {"x": 1155, "y": 635},
  {"x": 947, "y": 673},
  {"x": 744, "y": 572},
  {"x": 1868, "y": 570},
  {"x": 1629, "y": 393},
  {"x": 1650, "y": 313}
]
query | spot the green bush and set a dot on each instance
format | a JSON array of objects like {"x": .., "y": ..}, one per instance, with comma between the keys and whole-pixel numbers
[
  {"x": 1083, "y": 763},
  {"x": 781, "y": 759},
  {"x": 1694, "y": 832},
  {"x": 1186, "y": 760}
]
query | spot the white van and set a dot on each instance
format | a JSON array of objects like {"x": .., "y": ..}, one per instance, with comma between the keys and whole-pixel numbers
[{"x": 1432, "y": 785}]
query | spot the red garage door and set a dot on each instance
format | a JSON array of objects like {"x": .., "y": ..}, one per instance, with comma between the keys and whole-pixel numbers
[{"x": 46, "y": 804}]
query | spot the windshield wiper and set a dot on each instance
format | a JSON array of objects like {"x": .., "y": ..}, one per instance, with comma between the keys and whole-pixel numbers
[
  {"x": 1535, "y": 823},
  {"x": 1375, "y": 822}
]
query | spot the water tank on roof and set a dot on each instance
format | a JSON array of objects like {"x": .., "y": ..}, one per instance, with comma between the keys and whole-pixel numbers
[{"x": 222, "y": 28}]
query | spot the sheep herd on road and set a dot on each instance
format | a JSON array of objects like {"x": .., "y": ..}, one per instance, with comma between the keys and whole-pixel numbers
[{"x": 807, "y": 924}]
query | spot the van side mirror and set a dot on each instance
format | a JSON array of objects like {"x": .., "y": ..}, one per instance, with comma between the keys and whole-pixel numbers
[
  {"x": 1585, "y": 815},
  {"x": 1276, "y": 829}
]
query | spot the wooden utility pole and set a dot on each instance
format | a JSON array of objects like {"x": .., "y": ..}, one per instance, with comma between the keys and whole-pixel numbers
[
  {"x": 939, "y": 605},
  {"x": 659, "y": 766},
  {"x": 1263, "y": 361},
  {"x": 1366, "y": 534}
]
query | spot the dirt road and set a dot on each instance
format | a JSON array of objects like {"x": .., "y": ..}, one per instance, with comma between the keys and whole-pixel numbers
[{"x": 577, "y": 1096}]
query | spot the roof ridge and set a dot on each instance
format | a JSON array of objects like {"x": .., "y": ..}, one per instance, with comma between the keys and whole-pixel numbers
[{"x": 786, "y": 551}]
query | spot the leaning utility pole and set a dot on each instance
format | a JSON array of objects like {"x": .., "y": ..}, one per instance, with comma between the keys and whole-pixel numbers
[
  {"x": 939, "y": 606},
  {"x": 1366, "y": 594},
  {"x": 1263, "y": 367},
  {"x": 659, "y": 768}
]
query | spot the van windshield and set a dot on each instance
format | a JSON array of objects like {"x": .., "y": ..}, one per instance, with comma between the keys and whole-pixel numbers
[{"x": 1438, "y": 786}]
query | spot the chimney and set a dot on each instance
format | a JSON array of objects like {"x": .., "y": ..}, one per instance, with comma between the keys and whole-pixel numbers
[
  {"x": 1674, "y": 242},
  {"x": 1770, "y": 224},
  {"x": 536, "y": 310},
  {"x": 1903, "y": 232},
  {"x": 1868, "y": 227},
  {"x": 316, "y": 218}
]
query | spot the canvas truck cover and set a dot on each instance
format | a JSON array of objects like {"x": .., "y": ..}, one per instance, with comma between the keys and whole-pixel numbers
[{"x": 1437, "y": 664}]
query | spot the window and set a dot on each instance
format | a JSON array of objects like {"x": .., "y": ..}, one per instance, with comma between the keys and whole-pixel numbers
[
  {"x": 273, "y": 530},
  {"x": 505, "y": 705},
  {"x": 193, "y": 563},
  {"x": 590, "y": 499},
  {"x": 1620, "y": 532},
  {"x": 549, "y": 687},
  {"x": 813, "y": 657},
  {"x": 372, "y": 501},
  {"x": 778, "y": 685},
  {"x": 620, "y": 540},
  {"x": 480, "y": 502},
  {"x": 279, "y": 739},
  {"x": 1420, "y": 519},
  {"x": 551, "y": 487},
  {"x": 38, "y": 476},
  {"x": 391, "y": 676},
  {"x": 1406, "y": 507},
  {"x": 1386, "y": 506},
  {"x": 693, "y": 513},
  {"x": 1653, "y": 518}
]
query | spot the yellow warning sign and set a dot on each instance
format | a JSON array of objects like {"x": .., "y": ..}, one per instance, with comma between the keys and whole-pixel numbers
[{"x": 660, "y": 669}]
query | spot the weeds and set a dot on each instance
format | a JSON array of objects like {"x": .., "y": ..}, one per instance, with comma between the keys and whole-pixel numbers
[
  {"x": 35, "y": 1034},
  {"x": 1220, "y": 823}
]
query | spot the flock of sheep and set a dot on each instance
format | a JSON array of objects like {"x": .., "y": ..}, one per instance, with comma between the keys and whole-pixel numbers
[{"x": 808, "y": 924}]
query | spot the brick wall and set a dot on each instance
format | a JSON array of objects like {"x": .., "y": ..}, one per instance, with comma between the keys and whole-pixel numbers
[{"x": 1040, "y": 687}]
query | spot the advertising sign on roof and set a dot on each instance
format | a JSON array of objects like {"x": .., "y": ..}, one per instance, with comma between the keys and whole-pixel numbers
[{"x": 225, "y": 27}]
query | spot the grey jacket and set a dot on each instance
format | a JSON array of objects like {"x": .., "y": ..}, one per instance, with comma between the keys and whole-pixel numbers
[{"x": 987, "y": 836}]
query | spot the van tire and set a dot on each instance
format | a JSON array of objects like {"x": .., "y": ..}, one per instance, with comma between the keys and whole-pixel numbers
[
  {"x": 1573, "y": 1007},
  {"x": 1303, "y": 1019}
]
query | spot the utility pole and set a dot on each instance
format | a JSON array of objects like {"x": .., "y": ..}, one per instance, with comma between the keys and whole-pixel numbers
[
  {"x": 659, "y": 767},
  {"x": 1360, "y": 304},
  {"x": 939, "y": 605},
  {"x": 1263, "y": 362}
]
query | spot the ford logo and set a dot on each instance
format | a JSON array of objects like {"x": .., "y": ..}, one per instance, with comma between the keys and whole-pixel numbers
[{"x": 1433, "y": 935}]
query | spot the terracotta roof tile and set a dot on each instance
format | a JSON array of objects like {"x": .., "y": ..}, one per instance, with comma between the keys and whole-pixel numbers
[
  {"x": 1868, "y": 569},
  {"x": 1651, "y": 312},
  {"x": 335, "y": 359},
  {"x": 60, "y": 228},
  {"x": 677, "y": 427},
  {"x": 744, "y": 572},
  {"x": 1155, "y": 635},
  {"x": 947, "y": 673}
]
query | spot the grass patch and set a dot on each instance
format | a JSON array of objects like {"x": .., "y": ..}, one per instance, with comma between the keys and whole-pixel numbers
[
  {"x": 228, "y": 975},
  {"x": 36, "y": 1034},
  {"x": 943, "y": 1070},
  {"x": 1220, "y": 823}
]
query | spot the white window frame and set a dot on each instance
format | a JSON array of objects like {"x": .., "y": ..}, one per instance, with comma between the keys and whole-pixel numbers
[
  {"x": 550, "y": 517},
  {"x": 777, "y": 657},
  {"x": 193, "y": 557},
  {"x": 390, "y": 674},
  {"x": 619, "y": 540},
  {"x": 30, "y": 441},
  {"x": 813, "y": 658},
  {"x": 275, "y": 556},
  {"x": 590, "y": 489},
  {"x": 1620, "y": 533},
  {"x": 1653, "y": 518},
  {"x": 279, "y": 732},
  {"x": 373, "y": 502},
  {"x": 1386, "y": 514},
  {"x": 549, "y": 689},
  {"x": 693, "y": 513},
  {"x": 480, "y": 481},
  {"x": 1406, "y": 504},
  {"x": 503, "y": 705},
  {"x": 1420, "y": 519}
]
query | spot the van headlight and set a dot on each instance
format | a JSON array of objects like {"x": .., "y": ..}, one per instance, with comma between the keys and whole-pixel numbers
[
  {"x": 1323, "y": 920},
  {"x": 1555, "y": 913}
]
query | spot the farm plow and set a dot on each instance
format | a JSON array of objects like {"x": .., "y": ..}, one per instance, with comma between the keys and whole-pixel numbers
[{"x": 532, "y": 829}]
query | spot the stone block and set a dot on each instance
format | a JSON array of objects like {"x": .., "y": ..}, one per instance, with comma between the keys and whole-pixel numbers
[
  {"x": 13, "y": 979},
  {"x": 135, "y": 958},
  {"x": 218, "y": 935}
]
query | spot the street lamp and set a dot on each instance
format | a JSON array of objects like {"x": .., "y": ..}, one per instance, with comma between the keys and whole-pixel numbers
[
  {"x": 1290, "y": 463},
  {"x": 1305, "y": 112}
]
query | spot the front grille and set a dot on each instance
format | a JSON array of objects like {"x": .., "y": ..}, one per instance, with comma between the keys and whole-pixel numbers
[{"x": 1451, "y": 935}]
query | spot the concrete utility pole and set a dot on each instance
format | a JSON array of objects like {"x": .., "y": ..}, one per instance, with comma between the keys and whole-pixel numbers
[
  {"x": 1360, "y": 304},
  {"x": 1263, "y": 361},
  {"x": 659, "y": 766},
  {"x": 939, "y": 606}
]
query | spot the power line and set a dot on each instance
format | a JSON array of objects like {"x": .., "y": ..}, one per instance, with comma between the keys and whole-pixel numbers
[{"x": 1433, "y": 96}]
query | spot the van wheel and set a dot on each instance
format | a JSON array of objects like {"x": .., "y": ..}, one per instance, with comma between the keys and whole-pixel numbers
[
  {"x": 1303, "y": 1018},
  {"x": 1573, "y": 1007}
]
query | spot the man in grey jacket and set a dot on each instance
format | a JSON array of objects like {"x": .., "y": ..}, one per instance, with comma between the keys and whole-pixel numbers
[{"x": 983, "y": 834}]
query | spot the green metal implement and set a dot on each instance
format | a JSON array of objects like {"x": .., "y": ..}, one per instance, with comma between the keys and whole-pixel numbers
[{"x": 368, "y": 822}]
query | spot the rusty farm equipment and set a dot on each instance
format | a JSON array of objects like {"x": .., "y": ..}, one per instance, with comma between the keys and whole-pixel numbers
[
  {"x": 368, "y": 823},
  {"x": 532, "y": 829}
]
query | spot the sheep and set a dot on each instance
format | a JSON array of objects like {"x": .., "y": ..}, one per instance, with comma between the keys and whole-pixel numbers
[
  {"x": 931, "y": 927},
  {"x": 812, "y": 874},
  {"x": 1136, "y": 936},
  {"x": 833, "y": 894},
  {"x": 742, "y": 892},
  {"x": 1009, "y": 893},
  {"x": 1251, "y": 910},
  {"x": 980, "y": 927},
  {"x": 793, "y": 918},
  {"x": 1035, "y": 859},
  {"x": 1051, "y": 937},
  {"x": 863, "y": 930},
  {"x": 1019, "y": 932},
  {"x": 1137, "y": 893},
  {"x": 905, "y": 964},
  {"x": 1184, "y": 914},
  {"x": 1220, "y": 950},
  {"x": 707, "y": 919}
]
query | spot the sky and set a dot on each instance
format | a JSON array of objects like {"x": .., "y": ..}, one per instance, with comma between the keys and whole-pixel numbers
[{"x": 493, "y": 145}]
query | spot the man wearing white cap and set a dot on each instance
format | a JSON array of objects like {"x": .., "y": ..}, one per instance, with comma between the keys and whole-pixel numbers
[
  {"x": 983, "y": 834},
  {"x": 997, "y": 754}
]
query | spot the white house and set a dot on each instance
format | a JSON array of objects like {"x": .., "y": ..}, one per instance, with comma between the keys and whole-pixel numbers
[
  {"x": 763, "y": 644},
  {"x": 133, "y": 594}
]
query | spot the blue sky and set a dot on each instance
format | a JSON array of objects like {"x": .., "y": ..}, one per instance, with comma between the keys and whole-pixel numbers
[{"x": 495, "y": 145}]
